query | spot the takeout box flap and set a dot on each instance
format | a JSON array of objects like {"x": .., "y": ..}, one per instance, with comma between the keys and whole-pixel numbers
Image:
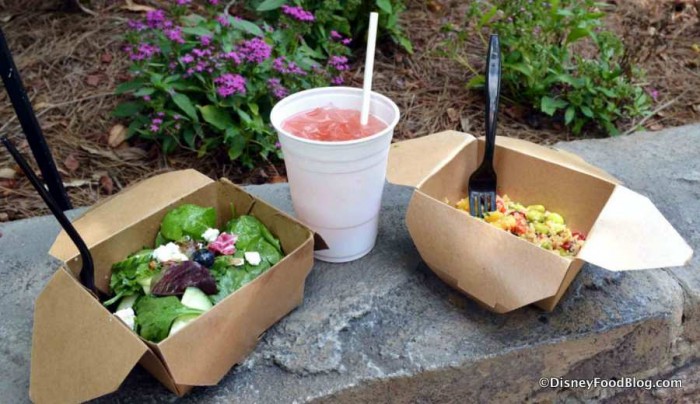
[
  {"x": 128, "y": 207},
  {"x": 630, "y": 233},
  {"x": 412, "y": 161},
  {"x": 80, "y": 351},
  {"x": 553, "y": 155}
]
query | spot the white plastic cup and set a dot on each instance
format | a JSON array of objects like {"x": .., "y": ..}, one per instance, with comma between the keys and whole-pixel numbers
[{"x": 337, "y": 186}]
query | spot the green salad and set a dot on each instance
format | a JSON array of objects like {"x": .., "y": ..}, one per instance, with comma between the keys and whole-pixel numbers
[{"x": 191, "y": 267}]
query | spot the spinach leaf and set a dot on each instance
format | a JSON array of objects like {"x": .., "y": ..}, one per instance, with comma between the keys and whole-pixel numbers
[
  {"x": 187, "y": 220},
  {"x": 230, "y": 278},
  {"x": 127, "y": 275},
  {"x": 155, "y": 315},
  {"x": 254, "y": 236}
]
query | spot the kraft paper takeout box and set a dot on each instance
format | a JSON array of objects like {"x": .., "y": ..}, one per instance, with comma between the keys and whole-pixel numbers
[
  {"x": 81, "y": 351},
  {"x": 501, "y": 271}
]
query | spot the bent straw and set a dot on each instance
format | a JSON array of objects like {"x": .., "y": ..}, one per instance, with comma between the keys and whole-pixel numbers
[
  {"x": 369, "y": 68},
  {"x": 87, "y": 273}
]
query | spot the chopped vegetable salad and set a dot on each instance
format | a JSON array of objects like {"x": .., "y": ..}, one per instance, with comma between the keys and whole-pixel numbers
[{"x": 533, "y": 223}]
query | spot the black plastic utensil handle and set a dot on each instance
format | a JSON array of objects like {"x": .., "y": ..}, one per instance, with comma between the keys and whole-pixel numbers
[
  {"x": 30, "y": 126},
  {"x": 87, "y": 273},
  {"x": 493, "y": 90}
]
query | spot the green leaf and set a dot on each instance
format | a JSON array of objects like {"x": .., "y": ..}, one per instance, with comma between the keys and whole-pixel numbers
[
  {"x": 187, "y": 220},
  {"x": 577, "y": 33},
  {"x": 385, "y": 5},
  {"x": 236, "y": 143},
  {"x": 252, "y": 234},
  {"x": 268, "y": 5},
  {"x": 155, "y": 315},
  {"x": 587, "y": 111},
  {"x": 406, "y": 44},
  {"x": 128, "y": 87},
  {"x": 189, "y": 137},
  {"x": 550, "y": 105},
  {"x": 185, "y": 104},
  {"x": 127, "y": 109},
  {"x": 127, "y": 274},
  {"x": 247, "y": 26},
  {"x": 216, "y": 117},
  {"x": 193, "y": 19},
  {"x": 477, "y": 81},
  {"x": 144, "y": 91},
  {"x": 199, "y": 31},
  {"x": 569, "y": 115},
  {"x": 488, "y": 16}
]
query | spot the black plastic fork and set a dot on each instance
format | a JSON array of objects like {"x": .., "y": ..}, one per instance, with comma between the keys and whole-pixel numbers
[{"x": 482, "y": 183}]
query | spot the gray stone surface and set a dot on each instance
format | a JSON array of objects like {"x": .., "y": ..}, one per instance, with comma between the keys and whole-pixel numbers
[{"x": 385, "y": 329}]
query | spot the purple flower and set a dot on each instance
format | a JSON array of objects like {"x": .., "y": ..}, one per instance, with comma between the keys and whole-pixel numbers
[
  {"x": 187, "y": 59},
  {"x": 156, "y": 121},
  {"x": 339, "y": 63},
  {"x": 214, "y": 2},
  {"x": 183, "y": 2},
  {"x": 336, "y": 35},
  {"x": 337, "y": 81},
  {"x": 281, "y": 65},
  {"x": 155, "y": 128},
  {"x": 155, "y": 18},
  {"x": 143, "y": 51},
  {"x": 346, "y": 41},
  {"x": 255, "y": 50},
  {"x": 278, "y": 145},
  {"x": 235, "y": 56},
  {"x": 298, "y": 13},
  {"x": 176, "y": 117},
  {"x": 277, "y": 89},
  {"x": 229, "y": 84},
  {"x": 223, "y": 20},
  {"x": 205, "y": 40},
  {"x": 146, "y": 97},
  {"x": 136, "y": 25},
  {"x": 654, "y": 93},
  {"x": 175, "y": 35}
]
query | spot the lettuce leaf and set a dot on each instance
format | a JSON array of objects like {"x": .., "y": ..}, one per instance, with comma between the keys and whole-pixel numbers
[
  {"x": 155, "y": 315},
  {"x": 230, "y": 278},
  {"x": 254, "y": 236},
  {"x": 187, "y": 220},
  {"x": 126, "y": 275}
]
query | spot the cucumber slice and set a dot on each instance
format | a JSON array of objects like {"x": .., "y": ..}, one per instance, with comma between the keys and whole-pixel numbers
[
  {"x": 181, "y": 322},
  {"x": 146, "y": 284},
  {"x": 196, "y": 299},
  {"x": 127, "y": 302}
]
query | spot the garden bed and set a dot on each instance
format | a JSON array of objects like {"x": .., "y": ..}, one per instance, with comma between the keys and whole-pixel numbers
[{"x": 71, "y": 63}]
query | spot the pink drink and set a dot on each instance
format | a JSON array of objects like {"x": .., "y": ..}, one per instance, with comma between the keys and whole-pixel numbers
[{"x": 332, "y": 124}]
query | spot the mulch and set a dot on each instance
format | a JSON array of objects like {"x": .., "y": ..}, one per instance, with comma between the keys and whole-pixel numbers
[{"x": 70, "y": 64}]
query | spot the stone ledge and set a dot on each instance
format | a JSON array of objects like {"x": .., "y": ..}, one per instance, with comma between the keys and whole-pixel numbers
[{"x": 384, "y": 328}]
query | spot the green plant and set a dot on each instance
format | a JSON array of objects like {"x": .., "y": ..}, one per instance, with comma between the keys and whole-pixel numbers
[
  {"x": 206, "y": 82},
  {"x": 558, "y": 59},
  {"x": 346, "y": 17}
]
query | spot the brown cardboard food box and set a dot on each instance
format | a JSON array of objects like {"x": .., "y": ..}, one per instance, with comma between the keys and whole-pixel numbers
[
  {"x": 624, "y": 230},
  {"x": 81, "y": 351}
]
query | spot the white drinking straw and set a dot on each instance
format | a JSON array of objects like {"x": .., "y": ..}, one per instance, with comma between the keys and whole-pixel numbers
[{"x": 369, "y": 67}]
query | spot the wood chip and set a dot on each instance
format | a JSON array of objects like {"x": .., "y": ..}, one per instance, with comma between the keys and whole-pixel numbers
[
  {"x": 136, "y": 7},
  {"x": 4, "y": 217},
  {"x": 277, "y": 179},
  {"x": 76, "y": 183},
  {"x": 93, "y": 80},
  {"x": 106, "y": 58},
  {"x": 71, "y": 163},
  {"x": 7, "y": 173},
  {"x": 453, "y": 114},
  {"x": 117, "y": 135},
  {"x": 131, "y": 153},
  {"x": 107, "y": 184}
]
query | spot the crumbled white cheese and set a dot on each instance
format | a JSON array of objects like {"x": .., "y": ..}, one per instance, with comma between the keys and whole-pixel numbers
[
  {"x": 127, "y": 316},
  {"x": 252, "y": 257},
  {"x": 237, "y": 262},
  {"x": 169, "y": 252},
  {"x": 210, "y": 235}
]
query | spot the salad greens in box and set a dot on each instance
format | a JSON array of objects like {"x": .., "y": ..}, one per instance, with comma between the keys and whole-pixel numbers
[{"x": 193, "y": 266}]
